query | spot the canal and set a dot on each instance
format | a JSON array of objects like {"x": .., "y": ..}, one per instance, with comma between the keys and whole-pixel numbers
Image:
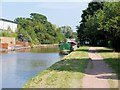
[{"x": 20, "y": 66}]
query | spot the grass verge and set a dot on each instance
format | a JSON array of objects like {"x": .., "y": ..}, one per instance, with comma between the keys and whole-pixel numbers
[
  {"x": 66, "y": 73},
  {"x": 113, "y": 60}
]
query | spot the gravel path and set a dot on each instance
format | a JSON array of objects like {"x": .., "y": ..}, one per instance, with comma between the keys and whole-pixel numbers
[{"x": 98, "y": 73}]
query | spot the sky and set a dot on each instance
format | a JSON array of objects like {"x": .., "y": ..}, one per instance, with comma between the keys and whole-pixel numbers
[{"x": 60, "y": 13}]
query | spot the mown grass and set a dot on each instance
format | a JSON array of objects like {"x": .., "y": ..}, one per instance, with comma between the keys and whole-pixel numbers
[
  {"x": 66, "y": 73},
  {"x": 112, "y": 58}
]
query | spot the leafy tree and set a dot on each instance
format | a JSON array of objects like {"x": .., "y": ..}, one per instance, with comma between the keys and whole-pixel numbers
[
  {"x": 8, "y": 33},
  {"x": 38, "y": 18},
  {"x": 74, "y": 35},
  {"x": 67, "y": 31},
  {"x": 38, "y": 30},
  {"x": 101, "y": 26},
  {"x": 87, "y": 20}
]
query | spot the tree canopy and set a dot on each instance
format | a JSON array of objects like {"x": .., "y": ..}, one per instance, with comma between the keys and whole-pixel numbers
[
  {"x": 68, "y": 32},
  {"x": 100, "y": 24},
  {"x": 37, "y": 29}
]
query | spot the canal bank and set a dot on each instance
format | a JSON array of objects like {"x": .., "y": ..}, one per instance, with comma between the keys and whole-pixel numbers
[
  {"x": 71, "y": 71},
  {"x": 66, "y": 73},
  {"x": 30, "y": 47}
]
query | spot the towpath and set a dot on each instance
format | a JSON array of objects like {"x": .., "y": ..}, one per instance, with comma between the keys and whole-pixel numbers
[{"x": 98, "y": 74}]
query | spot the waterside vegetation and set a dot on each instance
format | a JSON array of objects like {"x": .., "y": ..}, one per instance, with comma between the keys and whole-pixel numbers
[{"x": 38, "y": 30}]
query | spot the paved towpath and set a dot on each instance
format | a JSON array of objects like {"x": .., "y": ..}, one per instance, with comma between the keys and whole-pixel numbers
[{"x": 98, "y": 73}]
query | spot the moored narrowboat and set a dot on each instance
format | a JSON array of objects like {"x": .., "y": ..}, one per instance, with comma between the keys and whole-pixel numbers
[
  {"x": 67, "y": 47},
  {"x": 64, "y": 48}
]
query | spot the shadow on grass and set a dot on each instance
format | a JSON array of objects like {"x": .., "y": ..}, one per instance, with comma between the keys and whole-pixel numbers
[
  {"x": 114, "y": 64},
  {"x": 79, "y": 65},
  {"x": 101, "y": 51},
  {"x": 93, "y": 51},
  {"x": 104, "y": 51},
  {"x": 84, "y": 50},
  {"x": 73, "y": 65},
  {"x": 103, "y": 71}
]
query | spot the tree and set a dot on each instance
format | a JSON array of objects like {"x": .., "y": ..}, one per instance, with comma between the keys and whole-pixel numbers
[
  {"x": 8, "y": 33},
  {"x": 101, "y": 26},
  {"x": 87, "y": 19},
  {"x": 111, "y": 23},
  {"x": 67, "y": 31},
  {"x": 38, "y": 30},
  {"x": 38, "y": 17}
]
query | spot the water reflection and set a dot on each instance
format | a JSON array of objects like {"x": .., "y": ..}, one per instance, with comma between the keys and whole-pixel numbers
[
  {"x": 19, "y": 67},
  {"x": 44, "y": 50},
  {"x": 41, "y": 50}
]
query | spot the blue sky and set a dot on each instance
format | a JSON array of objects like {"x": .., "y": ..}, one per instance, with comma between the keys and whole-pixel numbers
[{"x": 59, "y": 13}]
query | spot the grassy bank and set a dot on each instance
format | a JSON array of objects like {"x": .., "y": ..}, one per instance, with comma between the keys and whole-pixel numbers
[
  {"x": 66, "y": 73},
  {"x": 112, "y": 58}
]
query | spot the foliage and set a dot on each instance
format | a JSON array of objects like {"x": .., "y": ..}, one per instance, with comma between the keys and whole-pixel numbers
[
  {"x": 68, "y": 32},
  {"x": 37, "y": 29},
  {"x": 100, "y": 24},
  {"x": 8, "y": 33}
]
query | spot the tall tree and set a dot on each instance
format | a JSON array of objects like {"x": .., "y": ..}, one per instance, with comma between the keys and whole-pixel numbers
[
  {"x": 37, "y": 29},
  {"x": 101, "y": 26},
  {"x": 67, "y": 31},
  {"x": 86, "y": 16}
]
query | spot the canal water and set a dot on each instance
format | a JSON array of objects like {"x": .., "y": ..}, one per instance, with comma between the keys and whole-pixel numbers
[{"x": 20, "y": 66}]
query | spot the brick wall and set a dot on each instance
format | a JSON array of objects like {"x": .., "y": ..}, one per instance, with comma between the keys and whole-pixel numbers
[{"x": 7, "y": 41}]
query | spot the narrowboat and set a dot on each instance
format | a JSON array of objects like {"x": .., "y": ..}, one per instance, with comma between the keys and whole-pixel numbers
[
  {"x": 64, "y": 48},
  {"x": 67, "y": 47}
]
